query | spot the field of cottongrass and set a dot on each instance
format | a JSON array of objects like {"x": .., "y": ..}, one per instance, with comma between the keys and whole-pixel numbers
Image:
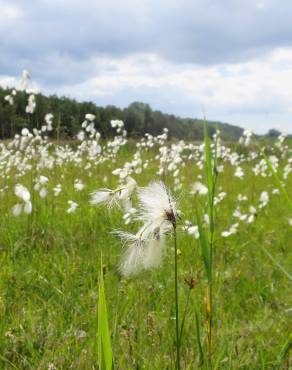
[{"x": 145, "y": 255}]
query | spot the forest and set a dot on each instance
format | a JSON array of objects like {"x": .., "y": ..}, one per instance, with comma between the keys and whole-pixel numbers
[{"x": 68, "y": 113}]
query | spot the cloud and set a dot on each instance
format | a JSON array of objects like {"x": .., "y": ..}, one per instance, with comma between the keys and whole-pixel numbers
[
  {"x": 229, "y": 59},
  {"x": 183, "y": 31}
]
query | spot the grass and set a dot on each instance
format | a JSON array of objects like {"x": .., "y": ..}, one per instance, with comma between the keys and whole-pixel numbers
[{"x": 50, "y": 271}]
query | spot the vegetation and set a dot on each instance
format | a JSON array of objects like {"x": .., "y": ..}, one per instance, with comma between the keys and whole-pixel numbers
[
  {"x": 54, "y": 302},
  {"x": 139, "y": 118},
  {"x": 141, "y": 254}
]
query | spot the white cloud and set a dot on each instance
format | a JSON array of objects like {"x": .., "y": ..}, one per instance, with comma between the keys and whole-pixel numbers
[
  {"x": 255, "y": 94},
  {"x": 228, "y": 59},
  {"x": 10, "y": 13}
]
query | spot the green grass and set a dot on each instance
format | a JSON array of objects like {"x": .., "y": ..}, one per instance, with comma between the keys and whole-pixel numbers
[{"x": 50, "y": 269}]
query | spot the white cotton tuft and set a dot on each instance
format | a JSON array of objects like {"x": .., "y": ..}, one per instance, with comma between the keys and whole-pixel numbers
[
  {"x": 153, "y": 253},
  {"x": 132, "y": 259},
  {"x": 101, "y": 196},
  {"x": 155, "y": 204},
  {"x": 22, "y": 192},
  {"x": 27, "y": 207},
  {"x": 16, "y": 210},
  {"x": 199, "y": 188},
  {"x": 43, "y": 192}
]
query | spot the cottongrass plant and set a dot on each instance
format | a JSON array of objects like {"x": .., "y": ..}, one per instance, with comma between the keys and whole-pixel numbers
[
  {"x": 23, "y": 195},
  {"x": 158, "y": 212},
  {"x": 115, "y": 197}
]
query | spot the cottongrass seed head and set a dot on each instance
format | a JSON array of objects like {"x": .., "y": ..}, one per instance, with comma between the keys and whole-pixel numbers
[
  {"x": 112, "y": 198},
  {"x": 145, "y": 249}
]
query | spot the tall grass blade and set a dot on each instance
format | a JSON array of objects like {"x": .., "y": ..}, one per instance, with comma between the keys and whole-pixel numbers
[
  {"x": 204, "y": 245},
  {"x": 208, "y": 166},
  {"x": 198, "y": 336},
  {"x": 105, "y": 358}
]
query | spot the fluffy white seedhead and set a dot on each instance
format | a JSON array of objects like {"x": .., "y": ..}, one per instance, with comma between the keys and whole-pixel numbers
[
  {"x": 153, "y": 253},
  {"x": 157, "y": 211},
  {"x": 22, "y": 192},
  {"x": 132, "y": 259},
  {"x": 199, "y": 188},
  {"x": 143, "y": 252},
  {"x": 90, "y": 117},
  {"x": 101, "y": 196},
  {"x": 78, "y": 185},
  {"x": 27, "y": 207},
  {"x": 73, "y": 206},
  {"x": 24, "y": 195},
  {"x": 25, "y": 79},
  {"x": 156, "y": 205},
  {"x": 114, "y": 197},
  {"x": 43, "y": 192},
  {"x": 16, "y": 209}
]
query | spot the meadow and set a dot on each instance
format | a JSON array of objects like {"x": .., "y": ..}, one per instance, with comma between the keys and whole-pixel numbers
[{"x": 58, "y": 232}]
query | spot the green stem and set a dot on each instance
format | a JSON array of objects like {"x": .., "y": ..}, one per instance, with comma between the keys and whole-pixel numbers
[{"x": 176, "y": 301}]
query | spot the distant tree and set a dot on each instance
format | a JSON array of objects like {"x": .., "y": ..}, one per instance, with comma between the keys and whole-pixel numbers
[{"x": 273, "y": 133}]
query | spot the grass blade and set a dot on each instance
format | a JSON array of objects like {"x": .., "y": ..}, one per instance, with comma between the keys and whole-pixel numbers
[
  {"x": 105, "y": 359},
  {"x": 198, "y": 335},
  {"x": 208, "y": 167},
  {"x": 204, "y": 245}
]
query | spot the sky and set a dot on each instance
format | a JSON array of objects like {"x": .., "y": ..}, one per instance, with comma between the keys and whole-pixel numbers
[{"x": 227, "y": 60}]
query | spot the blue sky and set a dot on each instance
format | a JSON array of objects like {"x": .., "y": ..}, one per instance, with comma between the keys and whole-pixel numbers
[{"x": 229, "y": 60}]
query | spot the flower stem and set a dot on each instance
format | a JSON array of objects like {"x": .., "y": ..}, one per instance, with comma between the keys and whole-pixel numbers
[
  {"x": 176, "y": 301},
  {"x": 209, "y": 322}
]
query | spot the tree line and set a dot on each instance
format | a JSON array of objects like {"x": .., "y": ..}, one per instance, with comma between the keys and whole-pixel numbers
[{"x": 68, "y": 113}]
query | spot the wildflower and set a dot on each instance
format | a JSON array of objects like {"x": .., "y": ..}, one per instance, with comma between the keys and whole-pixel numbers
[
  {"x": 90, "y": 117},
  {"x": 231, "y": 231},
  {"x": 114, "y": 197},
  {"x": 40, "y": 186},
  {"x": 78, "y": 185},
  {"x": 199, "y": 188},
  {"x": 242, "y": 198},
  {"x": 128, "y": 216},
  {"x": 219, "y": 198},
  {"x": 81, "y": 135},
  {"x": 49, "y": 122},
  {"x": 156, "y": 206},
  {"x": 157, "y": 211},
  {"x": 25, "y": 132},
  {"x": 264, "y": 199},
  {"x": 73, "y": 206},
  {"x": 57, "y": 190},
  {"x": 9, "y": 99},
  {"x": 25, "y": 79},
  {"x": 239, "y": 172},
  {"x": 24, "y": 195},
  {"x": 194, "y": 231},
  {"x": 132, "y": 259},
  {"x": 52, "y": 366},
  {"x": 30, "y": 108},
  {"x": 245, "y": 139}
]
